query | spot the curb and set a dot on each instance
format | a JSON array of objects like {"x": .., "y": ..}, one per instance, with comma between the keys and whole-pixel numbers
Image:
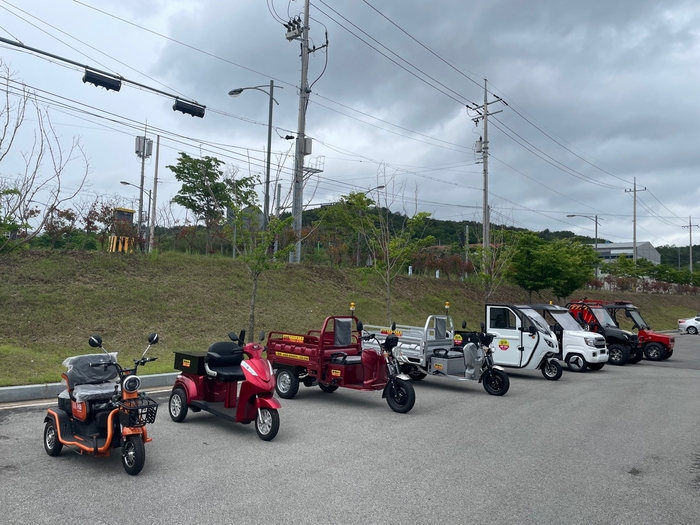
[{"x": 13, "y": 394}]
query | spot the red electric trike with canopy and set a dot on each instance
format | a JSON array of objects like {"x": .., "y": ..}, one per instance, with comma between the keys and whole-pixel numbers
[{"x": 333, "y": 357}]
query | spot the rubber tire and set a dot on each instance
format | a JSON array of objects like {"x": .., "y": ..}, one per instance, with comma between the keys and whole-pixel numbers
[
  {"x": 289, "y": 384},
  {"x": 274, "y": 424},
  {"x": 636, "y": 356},
  {"x": 552, "y": 370},
  {"x": 329, "y": 389},
  {"x": 133, "y": 455},
  {"x": 496, "y": 382},
  {"x": 576, "y": 363},
  {"x": 179, "y": 412},
  {"x": 654, "y": 352},
  {"x": 413, "y": 372},
  {"x": 406, "y": 393},
  {"x": 596, "y": 366},
  {"x": 692, "y": 330},
  {"x": 52, "y": 445},
  {"x": 622, "y": 351}
]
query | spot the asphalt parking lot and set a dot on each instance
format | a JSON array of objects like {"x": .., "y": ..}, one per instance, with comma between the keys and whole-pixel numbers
[{"x": 621, "y": 445}]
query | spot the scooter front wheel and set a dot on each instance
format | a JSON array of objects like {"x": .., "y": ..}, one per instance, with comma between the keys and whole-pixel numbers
[
  {"x": 551, "y": 370},
  {"x": 133, "y": 454},
  {"x": 400, "y": 395},
  {"x": 496, "y": 382},
  {"x": 267, "y": 424},
  {"x": 52, "y": 445}
]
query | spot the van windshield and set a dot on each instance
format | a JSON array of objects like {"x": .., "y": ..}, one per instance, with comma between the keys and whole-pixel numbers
[
  {"x": 536, "y": 319},
  {"x": 565, "y": 320}
]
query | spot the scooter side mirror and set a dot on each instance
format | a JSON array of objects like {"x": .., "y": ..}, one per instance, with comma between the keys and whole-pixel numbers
[
  {"x": 531, "y": 330},
  {"x": 393, "y": 326},
  {"x": 95, "y": 341},
  {"x": 153, "y": 339},
  {"x": 483, "y": 326},
  {"x": 262, "y": 335},
  {"x": 464, "y": 325},
  {"x": 233, "y": 336},
  {"x": 360, "y": 326}
]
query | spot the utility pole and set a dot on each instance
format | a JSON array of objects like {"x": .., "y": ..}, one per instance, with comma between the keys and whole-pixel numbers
[
  {"x": 484, "y": 149},
  {"x": 298, "y": 189},
  {"x": 690, "y": 246},
  {"x": 634, "y": 190},
  {"x": 151, "y": 237},
  {"x": 144, "y": 148}
]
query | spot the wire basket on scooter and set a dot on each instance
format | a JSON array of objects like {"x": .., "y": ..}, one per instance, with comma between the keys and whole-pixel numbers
[{"x": 137, "y": 412}]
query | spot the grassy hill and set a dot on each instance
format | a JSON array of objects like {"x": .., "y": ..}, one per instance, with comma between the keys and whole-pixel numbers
[{"x": 53, "y": 301}]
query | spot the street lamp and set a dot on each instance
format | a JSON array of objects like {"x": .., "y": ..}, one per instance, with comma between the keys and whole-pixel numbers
[
  {"x": 147, "y": 192},
  {"x": 595, "y": 219},
  {"x": 235, "y": 93}
]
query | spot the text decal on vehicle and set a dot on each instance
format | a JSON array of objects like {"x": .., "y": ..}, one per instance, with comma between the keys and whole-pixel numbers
[
  {"x": 186, "y": 363},
  {"x": 388, "y": 331},
  {"x": 335, "y": 372},
  {"x": 292, "y": 356},
  {"x": 503, "y": 344},
  {"x": 458, "y": 340},
  {"x": 293, "y": 338},
  {"x": 438, "y": 366}
]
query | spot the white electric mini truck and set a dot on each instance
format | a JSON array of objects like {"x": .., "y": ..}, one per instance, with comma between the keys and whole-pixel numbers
[{"x": 578, "y": 348}]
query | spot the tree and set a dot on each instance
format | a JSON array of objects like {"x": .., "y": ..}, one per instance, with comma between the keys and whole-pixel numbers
[
  {"x": 491, "y": 263},
  {"x": 573, "y": 265},
  {"x": 28, "y": 198},
  {"x": 527, "y": 267},
  {"x": 205, "y": 191}
]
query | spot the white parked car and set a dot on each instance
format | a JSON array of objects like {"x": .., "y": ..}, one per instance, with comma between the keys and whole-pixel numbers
[{"x": 690, "y": 325}]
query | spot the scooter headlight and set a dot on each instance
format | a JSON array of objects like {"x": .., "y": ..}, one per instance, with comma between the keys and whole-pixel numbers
[
  {"x": 549, "y": 343},
  {"x": 131, "y": 384}
]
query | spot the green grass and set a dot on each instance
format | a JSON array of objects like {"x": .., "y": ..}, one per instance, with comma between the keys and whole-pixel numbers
[{"x": 51, "y": 302}]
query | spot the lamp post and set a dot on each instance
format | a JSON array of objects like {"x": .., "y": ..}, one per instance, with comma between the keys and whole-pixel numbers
[
  {"x": 235, "y": 93},
  {"x": 142, "y": 190},
  {"x": 595, "y": 219}
]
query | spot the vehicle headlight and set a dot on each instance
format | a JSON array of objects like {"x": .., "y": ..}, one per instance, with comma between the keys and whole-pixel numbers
[
  {"x": 131, "y": 384},
  {"x": 549, "y": 343},
  {"x": 590, "y": 341}
]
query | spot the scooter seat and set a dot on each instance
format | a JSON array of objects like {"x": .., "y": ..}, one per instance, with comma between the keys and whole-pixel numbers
[
  {"x": 224, "y": 359},
  {"x": 229, "y": 373},
  {"x": 344, "y": 359},
  {"x": 444, "y": 353}
]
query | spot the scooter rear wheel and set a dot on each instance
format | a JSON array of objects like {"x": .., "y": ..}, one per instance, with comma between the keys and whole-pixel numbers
[
  {"x": 267, "y": 424},
  {"x": 177, "y": 406},
  {"x": 52, "y": 445}
]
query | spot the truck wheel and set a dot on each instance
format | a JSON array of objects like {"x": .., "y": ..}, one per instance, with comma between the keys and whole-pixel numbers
[
  {"x": 496, "y": 382},
  {"x": 287, "y": 384},
  {"x": 177, "y": 406},
  {"x": 576, "y": 363},
  {"x": 619, "y": 355},
  {"x": 133, "y": 454},
  {"x": 413, "y": 372},
  {"x": 596, "y": 366},
  {"x": 328, "y": 388},
  {"x": 636, "y": 356},
  {"x": 52, "y": 445},
  {"x": 267, "y": 424},
  {"x": 551, "y": 370},
  {"x": 654, "y": 352},
  {"x": 400, "y": 396}
]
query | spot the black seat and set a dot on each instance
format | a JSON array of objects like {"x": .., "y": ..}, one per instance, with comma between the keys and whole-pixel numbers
[
  {"x": 224, "y": 359},
  {"x": 341, "y": 358},
  {"x": 444, "y": 353}
]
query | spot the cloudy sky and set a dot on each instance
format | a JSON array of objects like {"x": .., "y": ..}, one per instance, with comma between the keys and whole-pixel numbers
[{"x": 599, "y": 97}]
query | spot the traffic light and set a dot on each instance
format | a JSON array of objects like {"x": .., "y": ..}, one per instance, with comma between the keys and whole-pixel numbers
[
  {"x": 115, "y": 84},
  {"x": 189, "y": 108}
]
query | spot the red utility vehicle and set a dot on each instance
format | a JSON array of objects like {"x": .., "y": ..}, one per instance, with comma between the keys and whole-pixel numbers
[
  {"x": 210, "y": 381},
  {"x": 333, "y": 357},
  {"x": 656, "y": 346}
]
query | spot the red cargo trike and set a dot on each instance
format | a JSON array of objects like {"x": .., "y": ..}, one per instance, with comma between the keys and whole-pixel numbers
[{"x": 333, "y": 357}]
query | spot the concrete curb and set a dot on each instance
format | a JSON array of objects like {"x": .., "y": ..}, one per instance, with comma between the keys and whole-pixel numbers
[{"x": 13, "y": 394}]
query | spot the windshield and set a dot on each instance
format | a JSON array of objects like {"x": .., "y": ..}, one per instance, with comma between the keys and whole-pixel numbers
[
  {"x": 536, "y": 319},
  {"x": 565, "y": 320},
  {"x": 603, "y": 317},
  {"x": 637, "y": 318}
]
